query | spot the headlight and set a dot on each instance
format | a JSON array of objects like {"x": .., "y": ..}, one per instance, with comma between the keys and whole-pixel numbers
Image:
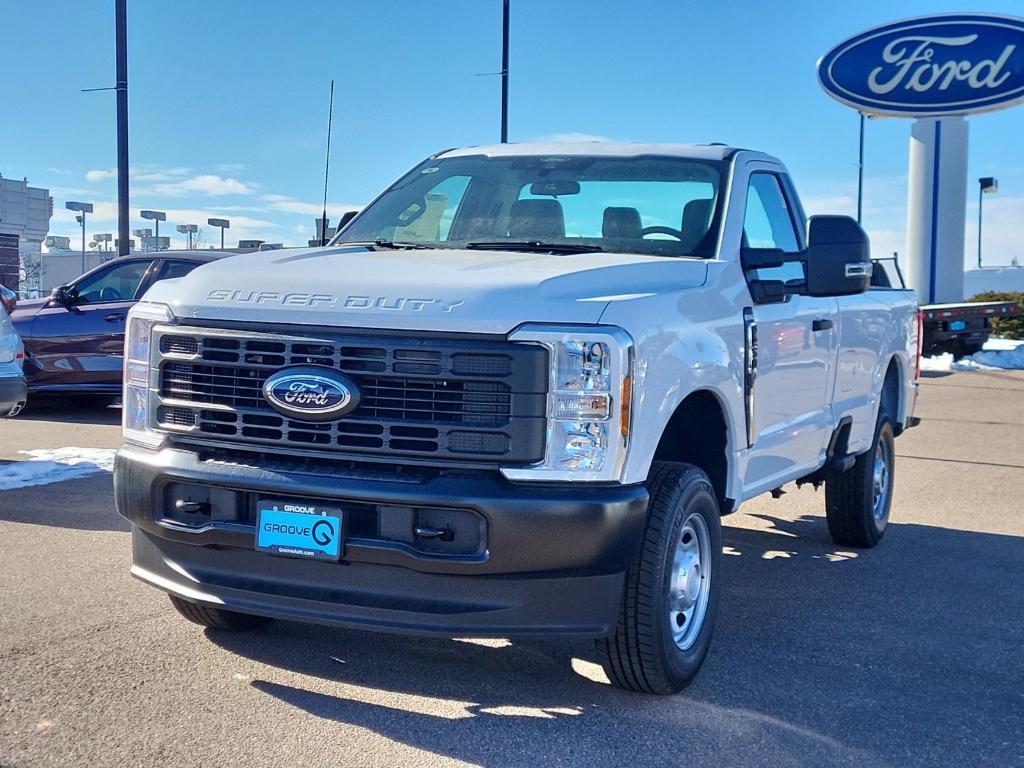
[
  {"x": 138, "y": 395},
  {"x": 589, "y": 394}
]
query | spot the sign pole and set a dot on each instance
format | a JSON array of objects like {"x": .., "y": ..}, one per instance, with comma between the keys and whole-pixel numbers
[{"x": 936, "y": 203}]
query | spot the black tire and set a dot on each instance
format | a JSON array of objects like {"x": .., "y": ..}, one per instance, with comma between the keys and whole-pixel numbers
[
  {"x": 217, "y": 618},
  {"x": 855, "y": 518},
  {"x": 642, "y": 654}
]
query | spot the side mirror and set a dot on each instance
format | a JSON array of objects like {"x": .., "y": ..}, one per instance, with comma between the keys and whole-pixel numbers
[
  {"x": 838, "y": 257},
  {"x": 346, "y": 217},
  {"x": 64, "y": 295}
]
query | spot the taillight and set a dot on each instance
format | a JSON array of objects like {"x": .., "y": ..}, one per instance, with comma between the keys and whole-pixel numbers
[{"x": 920, "y": 344}]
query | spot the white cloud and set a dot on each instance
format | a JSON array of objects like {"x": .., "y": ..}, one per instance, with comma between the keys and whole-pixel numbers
[
  {"x": 291, "y": 205},
  {"x": 1003, "y": 237},
  {"x": 156, "y": 173},
  {"x": 152, "y": 173},
  {"x": 101, "y": 174},
  {"x": 204, "y": 184},
  {"x": 834, "y": 204},
  {"x": 102, "y": 212}
]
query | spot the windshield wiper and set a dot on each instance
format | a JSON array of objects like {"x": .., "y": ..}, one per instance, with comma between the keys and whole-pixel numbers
[
  {"x": 538, "y": 246},
  {"x": 381, "y": 243}
]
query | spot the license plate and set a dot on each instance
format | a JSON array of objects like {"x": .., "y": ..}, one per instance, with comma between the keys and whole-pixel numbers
[
  {"x": 290, "y": 529},
  {"x": 958, "y": 325}
]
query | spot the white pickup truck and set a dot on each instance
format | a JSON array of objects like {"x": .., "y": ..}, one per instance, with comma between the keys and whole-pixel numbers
[{"x": 513, "y": 397}]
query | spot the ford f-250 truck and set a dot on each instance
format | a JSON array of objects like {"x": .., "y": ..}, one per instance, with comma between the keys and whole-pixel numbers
[{"x": 513, "y": 397}]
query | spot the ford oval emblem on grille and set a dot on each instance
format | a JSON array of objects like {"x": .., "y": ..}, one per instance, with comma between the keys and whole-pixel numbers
[{"x": 310, "y": 393}]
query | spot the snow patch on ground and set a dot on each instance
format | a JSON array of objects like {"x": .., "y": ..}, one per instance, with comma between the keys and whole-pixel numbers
[
  {"x": 55, "y": 465},
  {"x": 997, "y": 354}
]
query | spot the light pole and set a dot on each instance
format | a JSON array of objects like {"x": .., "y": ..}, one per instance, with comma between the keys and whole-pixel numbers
[
  {"x": 82, "y": 208},
  {"x": 156, "y": 217},
  {"x": 504, "y": 71},
  {"x": 986, "y": 186},
  {"x": 221, "y": 224},
  {"x": 188, "y": 229},
  {"x": 860, "y": 173}
]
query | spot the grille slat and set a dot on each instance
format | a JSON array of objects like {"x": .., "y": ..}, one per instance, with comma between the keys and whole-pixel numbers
[{"x": 456, "y": 399}]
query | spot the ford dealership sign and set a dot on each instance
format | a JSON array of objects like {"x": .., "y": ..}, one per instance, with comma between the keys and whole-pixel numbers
[{"x": 952, "y": 64}]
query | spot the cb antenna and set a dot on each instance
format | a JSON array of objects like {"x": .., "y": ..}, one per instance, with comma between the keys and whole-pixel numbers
[{"x": 327, "y": 166}]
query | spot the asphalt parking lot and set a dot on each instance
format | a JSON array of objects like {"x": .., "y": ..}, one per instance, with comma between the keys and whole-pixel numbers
[{"x": 911, "y": 654}]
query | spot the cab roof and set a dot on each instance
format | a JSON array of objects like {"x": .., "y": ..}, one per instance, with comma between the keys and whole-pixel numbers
[{"x": 596, "y": 148}]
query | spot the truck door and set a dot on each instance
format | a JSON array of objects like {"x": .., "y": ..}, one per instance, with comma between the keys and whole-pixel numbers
[{"x": 796, "y": 347}]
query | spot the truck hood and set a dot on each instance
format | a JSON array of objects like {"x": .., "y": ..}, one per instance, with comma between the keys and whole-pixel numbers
[{"x": 432, "y": 290}]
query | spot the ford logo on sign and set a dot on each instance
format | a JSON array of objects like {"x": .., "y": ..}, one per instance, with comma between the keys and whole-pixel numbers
[
  {"x": 310, "y": 393},
  {"x": 952, "y": 64}
]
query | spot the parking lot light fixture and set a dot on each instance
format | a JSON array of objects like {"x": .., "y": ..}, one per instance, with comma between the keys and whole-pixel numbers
[
  {"x": 188, "y": 229},
  {"x": 221, "y": 224},
  {"x": 156, "y": 217},
  {"x": 82, "y": 208}
]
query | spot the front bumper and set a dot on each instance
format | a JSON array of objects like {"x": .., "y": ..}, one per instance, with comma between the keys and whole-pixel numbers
[
  {"x": 546, "y": 560},
  {"x": 13, "y": 392}
]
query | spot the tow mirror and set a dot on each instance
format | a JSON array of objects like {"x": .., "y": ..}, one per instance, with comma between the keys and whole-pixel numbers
[{"x": 838, "y": 257}]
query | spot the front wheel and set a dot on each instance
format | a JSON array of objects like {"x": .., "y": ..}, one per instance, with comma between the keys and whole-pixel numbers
[
  {"x": 670, "y": 598},
  {"x": 857, "y": 501},
  {"x": 217, "y": 618}
]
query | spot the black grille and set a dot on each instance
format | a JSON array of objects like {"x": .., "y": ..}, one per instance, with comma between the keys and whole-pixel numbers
[{"x": 466, "y": 399}]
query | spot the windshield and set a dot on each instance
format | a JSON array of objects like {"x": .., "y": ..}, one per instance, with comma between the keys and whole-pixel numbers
[{"x": 649, "y": 205}]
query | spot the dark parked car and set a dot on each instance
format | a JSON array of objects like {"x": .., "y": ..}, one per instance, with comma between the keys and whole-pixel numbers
[{"x": 74, "y": 339}]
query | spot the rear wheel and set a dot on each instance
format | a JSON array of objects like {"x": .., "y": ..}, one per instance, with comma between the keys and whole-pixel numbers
[
  {"x": 217, "y": 618},
  {"x": 857, "y": 501},
  {"x": 670, "y": 598}
]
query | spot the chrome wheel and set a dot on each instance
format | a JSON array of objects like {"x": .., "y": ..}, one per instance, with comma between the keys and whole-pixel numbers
[
  {"x": 690, "y": 581},
  {"x": 880, "y": 481}
]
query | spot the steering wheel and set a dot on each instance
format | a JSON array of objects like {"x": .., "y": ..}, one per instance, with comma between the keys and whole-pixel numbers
[{"x": 671, "y": 232}]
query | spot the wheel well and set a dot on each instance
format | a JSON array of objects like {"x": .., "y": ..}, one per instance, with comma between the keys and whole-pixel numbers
[
  {"x": 697, "y": 434},
  {"x": 890, "y": 400}
]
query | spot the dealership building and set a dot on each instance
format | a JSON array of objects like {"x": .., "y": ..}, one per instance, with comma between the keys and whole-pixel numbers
[{"x": 24, "y": 222}]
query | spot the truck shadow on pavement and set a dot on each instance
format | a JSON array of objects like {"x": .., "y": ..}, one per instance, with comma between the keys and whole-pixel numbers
[
  {"x": 821, "y": 655},
  {"x": 85, "y": 503},
  {"x": 77, "y": 410}
]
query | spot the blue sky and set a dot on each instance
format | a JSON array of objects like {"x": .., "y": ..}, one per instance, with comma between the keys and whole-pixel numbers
[{"x": 228, "y": 100}]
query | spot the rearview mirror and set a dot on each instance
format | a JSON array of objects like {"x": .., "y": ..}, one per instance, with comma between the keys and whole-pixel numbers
[
  {"x": 554, "y": 188},
  {"x": 838, "y": 257}
]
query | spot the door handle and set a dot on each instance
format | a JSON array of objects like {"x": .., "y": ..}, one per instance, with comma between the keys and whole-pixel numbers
[
  {"x": 822, "y": 325},
  {"x": 117, "y": 317}
]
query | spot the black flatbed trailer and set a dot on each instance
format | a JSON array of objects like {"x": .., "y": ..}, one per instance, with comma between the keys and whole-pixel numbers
[{"x": 961, "y": 328}]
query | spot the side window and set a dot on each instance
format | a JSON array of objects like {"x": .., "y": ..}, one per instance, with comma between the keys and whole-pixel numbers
[
  {"x": 434, "y": 224},
  {"x": 119, "y": 282},
  {"x": 172, "y": 269},
  {"x": 768, "y": 223}
]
